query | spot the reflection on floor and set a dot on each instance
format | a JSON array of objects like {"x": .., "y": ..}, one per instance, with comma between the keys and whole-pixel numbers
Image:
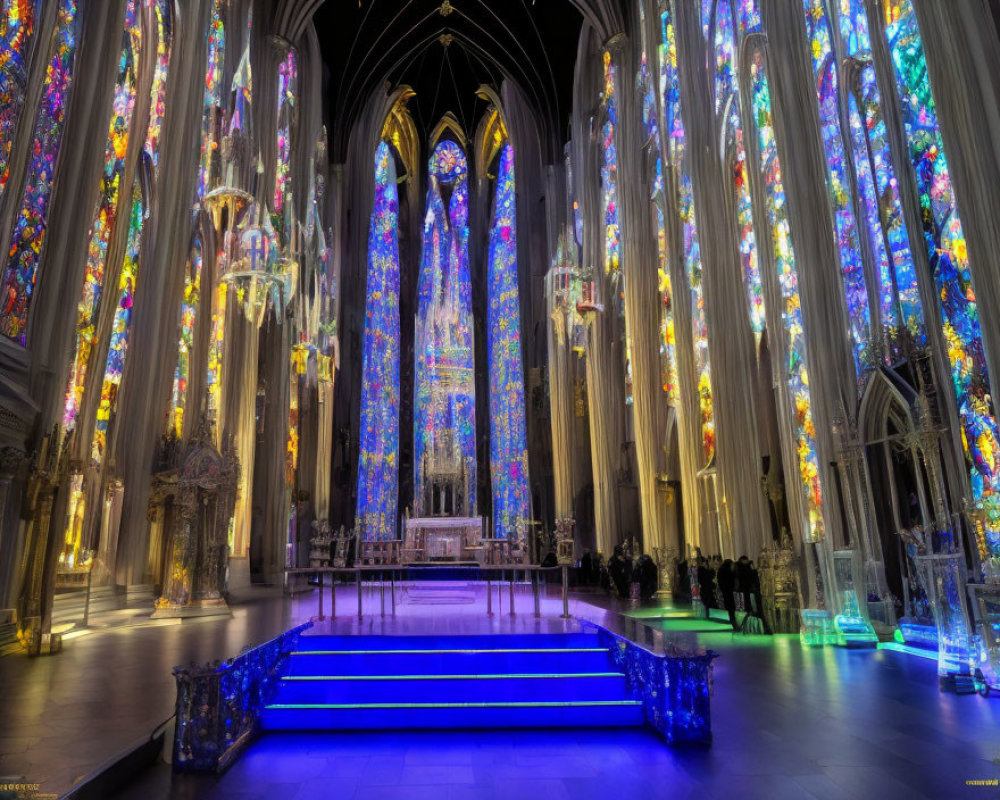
[{"x": 788, "y": 722}]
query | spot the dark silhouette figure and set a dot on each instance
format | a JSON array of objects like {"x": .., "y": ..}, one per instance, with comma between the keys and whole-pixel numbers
[
  {"x": 620, "y": 571},
  {"x": 727, "y": 585},
  {"x": 706, "y": 583}
]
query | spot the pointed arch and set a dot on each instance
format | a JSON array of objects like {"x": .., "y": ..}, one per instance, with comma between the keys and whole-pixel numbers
[
  {"x": 400, "y": 130},
  {"x": 447, "y": 124},
  {"x": 884, "y": 399}
]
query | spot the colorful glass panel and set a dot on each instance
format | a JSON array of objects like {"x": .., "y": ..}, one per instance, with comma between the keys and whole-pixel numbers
[
  {"x": 668, "y": 356},
  {"x": 508, "y": 438},
  {"x": 670, "y": 87},
  {"x": 445, "y": 392},
  {"x": 378, "y": 467},
  {"x": 838, "y": 183},
  {"x": 107, "y": 210},
  {"x": 121, "y": 324},
  {"x": 287, "y": 79},
  {"x": 727, "y": 101},
  {"x": 796, "y": 367},
  {"x": 17, "y": 28},
  {"x": 212, "y": 114},
  {"x": 949, "y": 263},
  {"x": 28, "y": 239}
]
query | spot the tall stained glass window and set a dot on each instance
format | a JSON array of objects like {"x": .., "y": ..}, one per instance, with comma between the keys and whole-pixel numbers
[
  {"x": 107, "y": 209},
  {"x": 287, "y": 78},
  {"x": 668, "y": 355},
  {"x": 445, "y": 392},
  {"x": 28, "y": 237},
  {"x": 676, "y": 149},
  {"x": 949, "y": 263},
  {"x": 727, "y": 108},
  {"x": 17, "y": 28},
  {"x": 211, "y": 135},
  {"x": 612, "y": 224},
  {"x": 508, "y": 444},
  {"x": 149, "y": 157},
  {"x": 796, "y": 366},
  {"x": 378, "y": 467},
  {"x": 899, "y": 309},
  {"x": 825, "y": 68}
]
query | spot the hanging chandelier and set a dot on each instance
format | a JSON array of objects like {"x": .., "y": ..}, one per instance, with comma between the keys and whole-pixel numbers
[{"x": 260, "y": 277}]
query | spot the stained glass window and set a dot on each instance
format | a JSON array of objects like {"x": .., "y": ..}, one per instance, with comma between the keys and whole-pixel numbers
[
  {"x": 668, "y": 356},
  {"x": 508, "y": 447},
  {"x": 670, "y": 88},
  {"x": 189, "y": 307},
  {"x": 378, "y": 468},
  {"x": 612, "y": 223},
  {"x": 749, "y": 16},
  {"x": 825, "y": 69},
  {"x": 727, "y": 104},
  {"x": 878, "y": 192},
  {"x": 796, "y": 366},
  {"x": 211, "y": 117},
  {"x": 949, "y": 263},
  {"x": 287, "y": 77},
  {"x": 28, "y": 237},
  {"x": 107, "y": 210},
  {"x": 445, "y": 394},
  {"x": 17, "y": 28},
  {"x": 121, "y": 324}
]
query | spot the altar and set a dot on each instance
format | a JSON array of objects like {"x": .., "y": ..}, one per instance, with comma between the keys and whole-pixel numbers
[{"x": 443, "y": 539}]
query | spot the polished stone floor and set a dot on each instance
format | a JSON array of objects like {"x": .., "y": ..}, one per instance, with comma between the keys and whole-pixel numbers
[{"x": 788, "y": 722}]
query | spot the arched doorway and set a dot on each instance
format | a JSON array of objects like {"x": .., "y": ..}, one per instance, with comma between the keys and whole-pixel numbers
[{"x": 897, "y": 483}]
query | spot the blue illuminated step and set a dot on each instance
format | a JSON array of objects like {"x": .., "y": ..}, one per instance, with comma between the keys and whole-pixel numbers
[
  {"x": 525, "y": 687},
  {"x": 578, "y": 714},
  {"x": 457, "y": 661},
  {"x": 487, "y": 641},
  {"x": 492, "y": 681}
]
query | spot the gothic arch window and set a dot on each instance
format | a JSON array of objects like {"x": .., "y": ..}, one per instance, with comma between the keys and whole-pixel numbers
[
  {"x": 185, "y": 344},
  {"x": 445, "y": 395},
  {"x": 378, "y": 467},
  {"x": 949, "y": 264},
  {"x": 677, "y": 150},
  {"x": 668, "y": 357},
  {"x": 17, "y": 30},
  {"x": 784, "y": 264},
  {"x": 28, "y": 238},
  {"x": 123, "y": 105},
  {"x": 838, "y": 181},
  {"x": 508, "y": 439},
  {"x": 879, "y": 192},
  {"x": 728, "y": 109},
  {"x": 609, "y": 201},
  {"x": 123, "y": 200},
  {"x": 287, "y": 79}
]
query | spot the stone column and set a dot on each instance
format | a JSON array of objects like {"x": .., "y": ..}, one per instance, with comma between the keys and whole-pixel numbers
[
  {"x": 239, "y": 407},
  {"x": 146, "y": 382},
  {"x": 743, "y": 515},
  {"x": 640, "y": 259}
]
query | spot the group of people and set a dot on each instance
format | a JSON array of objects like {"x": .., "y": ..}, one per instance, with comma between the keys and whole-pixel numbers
[
  {"x": 620, "y": 573},
  {"x": 725, "y": 584}
]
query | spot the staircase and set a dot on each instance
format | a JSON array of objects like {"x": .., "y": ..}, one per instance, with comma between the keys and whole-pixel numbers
[
  {"x": 436, "y": 593},
  {"x": 486, "y": 681}
]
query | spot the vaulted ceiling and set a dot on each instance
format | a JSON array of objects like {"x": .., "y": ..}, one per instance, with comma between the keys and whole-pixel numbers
[{"x": 445, "y": 50}]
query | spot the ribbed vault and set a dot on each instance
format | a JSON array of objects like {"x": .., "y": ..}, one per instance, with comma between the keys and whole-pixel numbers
[{"x": 445, "y": 50}]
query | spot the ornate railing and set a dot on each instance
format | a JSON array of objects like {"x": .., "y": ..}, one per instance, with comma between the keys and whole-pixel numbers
[
  {"x": 219, "y": 704},
  {"x": 675, "y": 687}
]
